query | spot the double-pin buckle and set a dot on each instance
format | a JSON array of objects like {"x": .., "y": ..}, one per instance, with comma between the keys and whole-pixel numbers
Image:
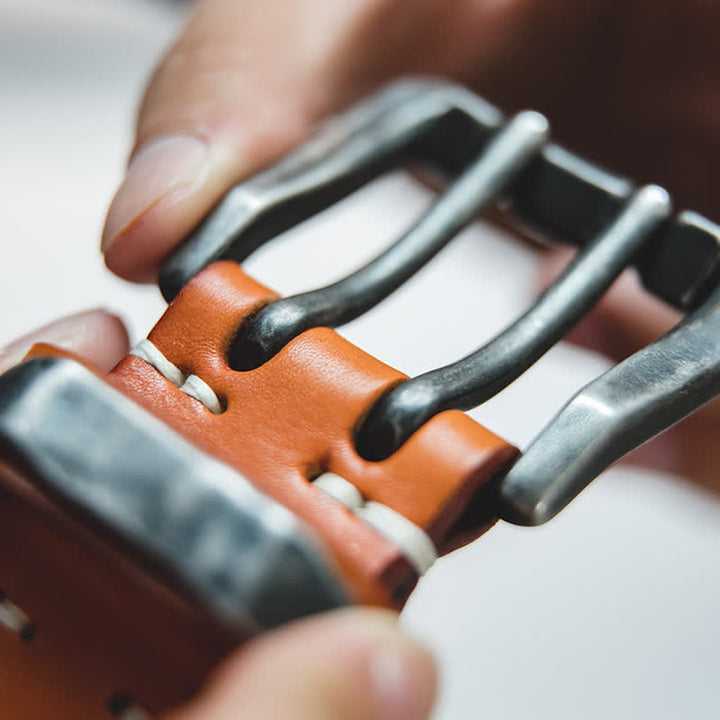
[{"x": 542, "y": 188}]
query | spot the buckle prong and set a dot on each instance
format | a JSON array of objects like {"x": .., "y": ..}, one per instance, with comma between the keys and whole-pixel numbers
[
  {"x": 481, "y": 375},
  {"x": 278, "y": 323}
]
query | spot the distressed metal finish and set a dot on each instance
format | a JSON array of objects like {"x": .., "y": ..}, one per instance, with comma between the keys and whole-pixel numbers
[
  {"x": 278, "y": 323},
  {"x": 683, "y": 266},
  {"x": 623, "y": 408},
  {"x": 562, "y": 198},
  {"x": 481, "y": 375},
  {"x": 554, "y": 195},
  {"x": 412, "y": 120},
  {"x": 195, "y": 522}
]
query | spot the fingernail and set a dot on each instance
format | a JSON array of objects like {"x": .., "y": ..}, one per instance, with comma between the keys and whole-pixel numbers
[
  {"x": 403, "y": 676},
  {"x": 156, "y": 171},
  {"x": 94, "y": 333}
]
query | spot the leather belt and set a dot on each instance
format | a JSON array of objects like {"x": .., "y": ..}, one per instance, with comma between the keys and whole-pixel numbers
[{"x": 246, "y": 465}]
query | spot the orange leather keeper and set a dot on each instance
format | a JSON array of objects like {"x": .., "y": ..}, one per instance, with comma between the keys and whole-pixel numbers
[{"x": 293, "y": 419}]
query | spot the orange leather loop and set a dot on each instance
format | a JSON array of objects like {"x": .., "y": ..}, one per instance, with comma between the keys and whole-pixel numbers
[{"x": 294, "y": 417}]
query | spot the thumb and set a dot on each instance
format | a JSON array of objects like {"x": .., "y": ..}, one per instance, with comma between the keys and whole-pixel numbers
[
  {"x": 247, "y": 80},
  {"x": 346, "y": 665},
  {"x": 240, "y": 87},
  {"x": 97, "y": 335}
]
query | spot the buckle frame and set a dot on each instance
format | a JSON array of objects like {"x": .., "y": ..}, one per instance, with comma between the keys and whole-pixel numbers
[{"x": 554, "y": 195}]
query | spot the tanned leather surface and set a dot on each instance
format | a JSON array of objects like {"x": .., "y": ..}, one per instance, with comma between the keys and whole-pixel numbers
[
  {"x": 104, "y": 626},
  {"x": 294, "y": 417}
]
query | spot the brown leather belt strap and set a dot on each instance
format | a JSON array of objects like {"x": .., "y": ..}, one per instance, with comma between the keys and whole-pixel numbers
[{"x": 106, "y": 632}]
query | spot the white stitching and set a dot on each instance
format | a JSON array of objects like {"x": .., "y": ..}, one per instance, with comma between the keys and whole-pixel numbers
[
  {"x": 340, "y": 489},
  {"x": 191, "y": 385},
  {"x": 197, "y": 388},
  {"x": 413, "y": 541},
  {"x": 146, "y": 351}
]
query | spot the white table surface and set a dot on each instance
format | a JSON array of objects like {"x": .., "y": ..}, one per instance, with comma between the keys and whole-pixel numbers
[{"x": 610, "y": 611}]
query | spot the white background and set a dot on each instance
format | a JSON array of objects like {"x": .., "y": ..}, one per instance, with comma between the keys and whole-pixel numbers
[{"x": 611, "y": 611}]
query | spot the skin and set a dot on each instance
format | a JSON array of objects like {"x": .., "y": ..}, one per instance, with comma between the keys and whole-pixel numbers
[{"x": 633, "y": 85}]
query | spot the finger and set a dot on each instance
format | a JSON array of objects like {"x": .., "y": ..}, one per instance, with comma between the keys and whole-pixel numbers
[
  {"x": 346, "y": 665},
  {"x": 242, "y": 85},
  {"x": 97, "y": 335}
]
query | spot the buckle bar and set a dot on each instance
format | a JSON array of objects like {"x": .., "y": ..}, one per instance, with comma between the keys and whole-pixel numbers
[{"x": 623, "y": 408}]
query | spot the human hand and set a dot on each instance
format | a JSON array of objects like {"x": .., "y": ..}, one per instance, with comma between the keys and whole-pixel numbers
[
  {"x": 247, "y": 81},
  {"x": 348, "y": 664},
  {"x": 344, "y": 665}
]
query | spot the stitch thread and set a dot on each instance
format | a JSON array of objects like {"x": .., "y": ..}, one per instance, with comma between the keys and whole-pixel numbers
[
  {"x": 413, "y": 541},
  {"x": 146, "y": 351},
  {"x": 197, "y": 388},
  {"x": 340, "y": 489},
  {"x": 191, "y": 385}
]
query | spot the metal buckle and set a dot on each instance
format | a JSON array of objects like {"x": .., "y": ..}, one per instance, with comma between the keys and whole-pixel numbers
[
  {"x": 178, "y": 512},
  {"x": 543, "y": 188}
]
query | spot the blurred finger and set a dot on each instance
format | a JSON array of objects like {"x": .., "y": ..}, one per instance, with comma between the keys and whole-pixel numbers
[
  {"x": 97, "y": 335},
  {"x": 243, "y": 84},
  {"x": 347, "y": 665}
]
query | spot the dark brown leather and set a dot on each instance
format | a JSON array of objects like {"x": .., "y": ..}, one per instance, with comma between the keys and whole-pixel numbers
[{"x": 103, "y": 626}]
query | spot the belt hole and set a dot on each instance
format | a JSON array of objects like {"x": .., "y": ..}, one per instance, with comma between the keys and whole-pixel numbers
[
  {"x": 15, "y": 620},
  {"x": 121, "y": 705}
]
